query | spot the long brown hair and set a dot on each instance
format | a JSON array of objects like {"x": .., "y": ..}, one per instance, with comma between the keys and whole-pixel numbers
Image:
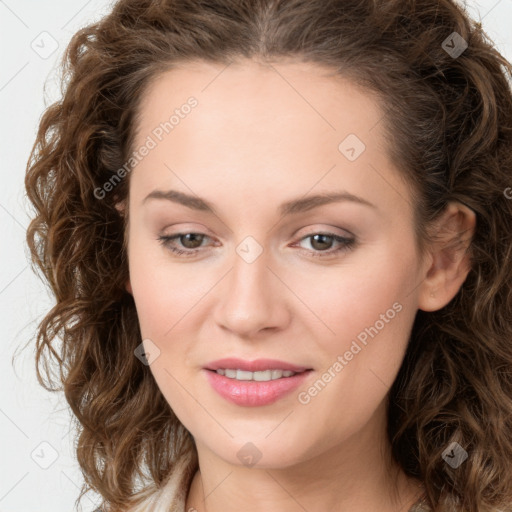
[{"x": 448, "y": 121}]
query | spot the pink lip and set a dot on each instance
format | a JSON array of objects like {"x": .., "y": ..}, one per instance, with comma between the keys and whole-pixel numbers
[
  {"x": 257, "y": 365},
  {"x": 251, "y": 393}
]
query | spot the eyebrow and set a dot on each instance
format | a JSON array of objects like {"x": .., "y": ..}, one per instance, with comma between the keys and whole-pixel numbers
[{"x": 291, "y": 207}]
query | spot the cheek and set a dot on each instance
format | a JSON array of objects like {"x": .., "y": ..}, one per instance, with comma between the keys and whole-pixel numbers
[
  {"x": 164, "y": 293},
  {"x": 165, "y": 298},
  {"x": 351, "y": 297},
  {"x": 371, "y": 310}
]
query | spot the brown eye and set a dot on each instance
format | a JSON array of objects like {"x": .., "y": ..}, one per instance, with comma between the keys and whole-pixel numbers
[
  {"x": 185, "y": 244},
  {"x": 191, "y": 240},
  {"x": 323, "y": 245},
  {"x": 321, "y": 242}
]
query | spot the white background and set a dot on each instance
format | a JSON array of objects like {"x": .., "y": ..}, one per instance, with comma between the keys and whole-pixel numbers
[{"x": 29, "y": 415}]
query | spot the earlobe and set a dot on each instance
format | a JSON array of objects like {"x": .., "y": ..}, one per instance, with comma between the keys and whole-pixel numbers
[
  {"x": 128, "y": 287},
  {"x": 450, "y": 260},
  {"x": 120, "y": 207}
]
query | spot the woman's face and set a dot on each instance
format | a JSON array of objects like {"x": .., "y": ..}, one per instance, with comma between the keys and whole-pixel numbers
[{"x": 268, "y": 165}]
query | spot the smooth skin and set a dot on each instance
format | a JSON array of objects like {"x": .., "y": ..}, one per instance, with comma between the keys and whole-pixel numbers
[{"x": 262, "y": 135}]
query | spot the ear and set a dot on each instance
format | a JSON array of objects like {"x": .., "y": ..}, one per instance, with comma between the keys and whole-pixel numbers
[
  {"x": 448, "y": 262},
  {"x": 120, "y": 207}
]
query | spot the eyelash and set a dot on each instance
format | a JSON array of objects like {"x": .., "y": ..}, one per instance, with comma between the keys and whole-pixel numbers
[{"x": 347, "y": 244}]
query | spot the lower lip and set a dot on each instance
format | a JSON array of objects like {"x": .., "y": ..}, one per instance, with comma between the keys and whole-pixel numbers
[{"x": 250, "y": 393}]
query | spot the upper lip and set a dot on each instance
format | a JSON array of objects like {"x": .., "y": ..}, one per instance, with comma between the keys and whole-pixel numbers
[{"x": 257, "y": 365}]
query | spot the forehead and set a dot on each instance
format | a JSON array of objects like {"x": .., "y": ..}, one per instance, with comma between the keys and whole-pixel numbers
[
  {"x": 282, "y": 126},
  {"x": 263, "y": 97}
]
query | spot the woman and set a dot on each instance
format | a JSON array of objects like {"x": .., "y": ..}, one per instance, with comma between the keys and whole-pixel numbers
[{"x": 279, "y": 237}]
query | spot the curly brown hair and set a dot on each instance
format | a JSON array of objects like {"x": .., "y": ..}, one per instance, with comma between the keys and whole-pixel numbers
[{"x": 448, "y": 120}]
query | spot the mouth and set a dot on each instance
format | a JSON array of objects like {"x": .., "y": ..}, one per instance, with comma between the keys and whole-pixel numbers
[{"x": 254, "y": 383}]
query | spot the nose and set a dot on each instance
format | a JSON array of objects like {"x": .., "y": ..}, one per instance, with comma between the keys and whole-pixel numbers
[{"x": 252, "y": 298}]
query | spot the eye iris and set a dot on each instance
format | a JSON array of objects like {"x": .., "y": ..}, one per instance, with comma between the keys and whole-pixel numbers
[
  {"x": 321, "y": 238},
  {"x": 195, "y": 239}
]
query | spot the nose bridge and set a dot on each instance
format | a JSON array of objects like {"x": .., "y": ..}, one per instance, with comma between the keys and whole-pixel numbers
[{"x": 250, "y": 300}]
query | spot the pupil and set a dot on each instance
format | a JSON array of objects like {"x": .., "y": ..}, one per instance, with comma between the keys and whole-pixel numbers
[
  {"x": 320, "y": 238},
  {"x": 194, "y": 238}
]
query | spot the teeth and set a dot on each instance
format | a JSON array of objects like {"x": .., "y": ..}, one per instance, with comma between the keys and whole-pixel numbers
[{"x": 262, "y": 376}]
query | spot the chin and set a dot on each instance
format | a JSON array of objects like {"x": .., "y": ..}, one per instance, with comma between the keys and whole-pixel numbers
[{"x": 261, "y": 453}]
